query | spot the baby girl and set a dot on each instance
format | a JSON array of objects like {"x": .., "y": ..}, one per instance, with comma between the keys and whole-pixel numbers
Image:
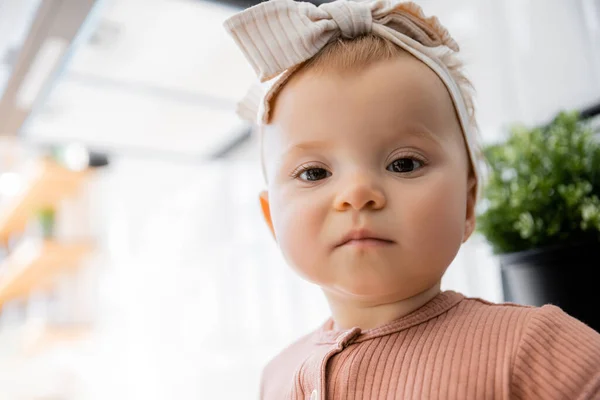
[{"x": 370, "y": 156}]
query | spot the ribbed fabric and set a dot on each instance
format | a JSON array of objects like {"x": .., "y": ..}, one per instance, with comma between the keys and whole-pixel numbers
[
  {"x": 278, "y": 34},
  {"x": 451, "y": 348}
]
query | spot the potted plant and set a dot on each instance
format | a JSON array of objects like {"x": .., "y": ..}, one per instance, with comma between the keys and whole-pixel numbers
[{"x": 540, "y": 212}]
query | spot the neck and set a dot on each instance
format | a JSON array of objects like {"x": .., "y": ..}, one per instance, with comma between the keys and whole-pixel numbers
[{"x": 368, "y": 315}]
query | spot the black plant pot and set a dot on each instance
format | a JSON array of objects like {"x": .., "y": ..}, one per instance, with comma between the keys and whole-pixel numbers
[{"x": 565, "y": 276}]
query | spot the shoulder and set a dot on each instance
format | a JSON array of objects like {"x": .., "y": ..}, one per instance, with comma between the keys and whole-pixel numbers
[
  {"x": 553, "y": 355},
  {"x": 279, "y": 372},
  {"x": 502, "y": 324},
  {"x": 557, "y": 357},
  {"x": 507, "y": 314}
]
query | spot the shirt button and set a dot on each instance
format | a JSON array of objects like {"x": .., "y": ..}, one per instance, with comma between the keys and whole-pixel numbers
[{"x": 314, "y": 395}]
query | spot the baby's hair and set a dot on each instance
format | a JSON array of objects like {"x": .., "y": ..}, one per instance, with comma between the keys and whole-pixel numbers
[{"x": 345, "y": 55}]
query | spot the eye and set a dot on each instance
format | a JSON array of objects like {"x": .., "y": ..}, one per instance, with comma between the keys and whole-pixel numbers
[
  {"x": 405, "y": 165},
  {"x": 311, "y": 174}
]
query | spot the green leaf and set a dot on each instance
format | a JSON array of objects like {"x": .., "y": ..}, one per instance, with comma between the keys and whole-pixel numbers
[{"x": 543, "y": 186}]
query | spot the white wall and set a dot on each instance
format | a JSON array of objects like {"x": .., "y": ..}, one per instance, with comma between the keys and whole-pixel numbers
[
  {"x": 528, "y": 59},
  {"x": 195, "y": 293}
]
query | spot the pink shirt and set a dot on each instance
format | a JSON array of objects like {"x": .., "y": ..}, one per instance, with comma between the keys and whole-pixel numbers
[{"x": 451, "y": 348}]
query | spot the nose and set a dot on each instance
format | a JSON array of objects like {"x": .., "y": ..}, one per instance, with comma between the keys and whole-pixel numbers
[{"x": 360, "y": 191}]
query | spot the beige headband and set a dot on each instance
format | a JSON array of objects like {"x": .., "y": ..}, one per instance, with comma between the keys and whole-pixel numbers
[{"x": 277, "y": 36}]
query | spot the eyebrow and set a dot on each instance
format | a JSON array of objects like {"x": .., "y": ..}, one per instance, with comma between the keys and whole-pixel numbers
[
  {"x": 310, "y": 145},
  {"x": 426, "y": 134},
  {"x": 323, "y": 144}
]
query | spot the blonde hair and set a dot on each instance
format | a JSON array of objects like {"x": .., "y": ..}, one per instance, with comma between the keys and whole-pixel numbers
[{"x": 345, "y": 55}]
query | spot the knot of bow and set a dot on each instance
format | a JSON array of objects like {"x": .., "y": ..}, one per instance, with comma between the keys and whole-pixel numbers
[{"x": 279, "y": 34}]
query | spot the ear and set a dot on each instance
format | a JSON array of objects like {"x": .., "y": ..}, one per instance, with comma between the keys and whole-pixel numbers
[
  {"x": 470, "y": 214},
  {"x": 266, "y": 210}
]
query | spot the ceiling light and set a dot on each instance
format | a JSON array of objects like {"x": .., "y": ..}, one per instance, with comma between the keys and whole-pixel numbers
[
  {"x": 76, "y": 157},
  {"x": 43, "y": 66}
]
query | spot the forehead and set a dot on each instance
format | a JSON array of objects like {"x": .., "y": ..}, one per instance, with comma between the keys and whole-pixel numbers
[{"x": 384, "y": 96}]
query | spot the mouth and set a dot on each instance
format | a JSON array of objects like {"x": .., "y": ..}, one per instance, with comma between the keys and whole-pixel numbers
[{"x": 364, "y": 238}]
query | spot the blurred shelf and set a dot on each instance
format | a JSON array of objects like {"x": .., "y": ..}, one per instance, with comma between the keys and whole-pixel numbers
[
  {"x": 53, "y": 336},
  {"x": 33, "y": 350},
  {"x": 34, "y": 264},
  {"x": 46, "y": 185}
]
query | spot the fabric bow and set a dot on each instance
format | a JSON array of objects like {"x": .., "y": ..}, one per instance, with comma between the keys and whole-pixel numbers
[{"x": 279, "y": 34}]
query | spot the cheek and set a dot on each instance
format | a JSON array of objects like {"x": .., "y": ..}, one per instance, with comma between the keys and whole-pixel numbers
[
  {"x": 438, "y": 219},
  {"x": 299, "y": 221}
]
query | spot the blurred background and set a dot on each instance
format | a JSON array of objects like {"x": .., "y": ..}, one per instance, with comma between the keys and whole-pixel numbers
[{"x": 134, "y": 263}]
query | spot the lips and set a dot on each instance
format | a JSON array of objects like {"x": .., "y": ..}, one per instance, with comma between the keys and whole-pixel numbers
[{"x": 364, "y": 237}]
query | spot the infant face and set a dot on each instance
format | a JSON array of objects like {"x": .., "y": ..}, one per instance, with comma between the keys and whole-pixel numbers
[{"x": 369, "y": 187}]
